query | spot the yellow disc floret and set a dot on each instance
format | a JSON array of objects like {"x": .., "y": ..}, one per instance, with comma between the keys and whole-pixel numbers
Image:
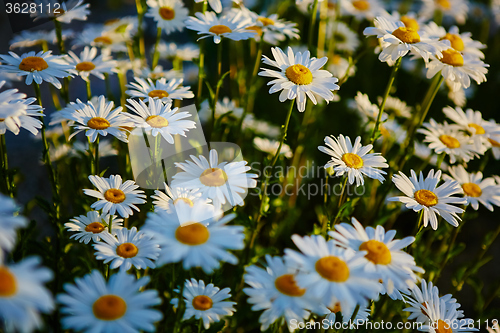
[
  {"x": 361, "y": 5},
  {"x": 192, "y": 234},
  {"x": 31, "y": 64},
  {"x": 8, "y": 283},
  {"x": 287, "y": 285},
  {"x": 265, "y": 21},
  {"x": 452, "y": 57},
  {"x": 456, "y": 42},
  {"x": 472, "y": 190},
  {"x": 167, "y": 13},
  {"x": 202, "y": 303},
  {"x": 158, "y": 93},
  {"x": 95, "y": 228},
  {"x": 378, "y": 252},
  {"x": 407, "y": 35},
  {"x": 352, "y": 160},
  {"x": 299, "y": 74},
  {"x": 426, "y": 198},
  {"x": 479, "y": 129},
  {"x": 220, "y": 29},
  {"x": 127, "y": 250},
  {"x": 109, "y": 307},
  {"x": 98, "y": 123},
  {"x": 449, "y": 141},
  {"x": 410, "y": 22},
  {"x": 85, "y": 66},
  {"x": 332, "y": 268},
  {"x": 157, "y": 121},
  {"x": 114, "y": 195},
  {"x": 213, "y": 177}
]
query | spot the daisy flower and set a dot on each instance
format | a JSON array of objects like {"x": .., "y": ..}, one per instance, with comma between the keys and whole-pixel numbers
[
  {"x": 273, "y": 28},
  {"x": 476, "y": 189},
  {"x": 461, "y": 42},
  {"x": 396, "y": 268},
  {"x": 185, "y": 52},
  {"x": 168, "y": 14},
  {"x": 448, "y": 139},
  {"x": 443, "y": 318},
  {"x": 38, "y": 67},
  {"x": 329, "y": 272},
  {"x": 65, "y": 11},
  {"x": 271, "y": 146},
  {"x": 457, "y": 68},
  {"x": 88, "y": 63},
  {"x": 92, "y": 226},
  {"x": 28, "y": 121},
  {"x": 9, "y": 102},
  {"x": 126, "y": 26},
  {"x": 129, "y": 248},
  {"x": 115, "y": 196},
  {"x": 424, "y": 194},
  {"x": 362, "y": 9},
  {"x": 97, "y": 35},
  {"x": 473, "y": 123},
  {"x": 367, "y": 110},
  {"x": 94, "y": 305},
  {"x": 223, "y": 107},
  {"x": 299, "y": 75},
  {"x": 216, "y": 5},
  {"x": 205, "y": 302},
  {"x": 28, "y": 38},
  {"x": 195, "y": 236},
  {"x": 423, "y": 298},
  {"x": 228, "y": 26},
  {"x": 397, "y": 107},
  {"x": 161, "y": 89},
  {"x": 353, "y": 159},
  {"x": 10, "y": 222},
  {"x": 23, "y": 295},
  {"x": 275, "y": 290},
  {"x": 456, "y": 9},
  {"x": 344, "y": 38},
  {"x": 221, "y": 182},
  {"x": 98, "y": 119},
  {"x": 157, "y": 73},
  {"x": 397, "y": 40},
  {"x": 167, "y": 201},
  {"x": 159, "y": 118}
]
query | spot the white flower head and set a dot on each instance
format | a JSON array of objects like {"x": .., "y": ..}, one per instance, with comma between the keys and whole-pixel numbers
[
  {"x": 456, "y": 9},
  {"x": 424, "y": 194},
  {"x": 161, "y": 89},
  {"x": 298, "y": 76},
  {"x": 38, "y": 67},
  {"x": 345, "y": 39},
  {"x": 168, "y": 14},
  {"x": 271, "y": 146},
  {"x": 10, "y": 222},
  {"x": 353, "y": 159},
  {"x": 91, "y": 226},
  {"x": 173, "y": 195},
  {"x": 65, "y": 11},
  {"x": 115, "y": 196},
  {"x": 206, "y": 302},
  {"x": 89, "y": 63}
]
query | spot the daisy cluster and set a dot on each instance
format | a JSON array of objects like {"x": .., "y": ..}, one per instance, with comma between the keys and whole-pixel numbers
[{"x": 204, "y": 243}]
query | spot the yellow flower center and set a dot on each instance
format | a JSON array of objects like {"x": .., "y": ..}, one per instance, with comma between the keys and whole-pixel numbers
[
  {"x": 157, "y": 121},
  {"x": 336, "y": 59},
  {"x": 127, "y": 250},
  {"x": 494, "y": 143},
  {"x": 452, "y": 57},
  {"x": 255, "y": 28},
  {"x": 98, "y": 123},
  {"x": 167, "y": 13},
  {"x": 444, "y": 3},
  {"x": 286, "y": 285},
  {"x": 352, "y": 160},
  {"x": 31, "y": 64},
  {"x": 8, "y": 283},
  {"x": 186, "y": 200},
  {"x": 443, "y": 327},
  {"x": 361, "y": 5},
  {"x": 332, "y": 268},
  {"x": 202, "y": 303},
  {"x": 158, "y": 93},
  {"x": 109, "y": 307},
  {"x": 410, "y": 23},
  {"x": 265, "y": 21},
  {"x": 114, "y": 195},
  {"x": 456, "y": 42},
  {"x": 95, "y": 227},
  {"x": 479, "y": 129},
  {"x": 378, "y": 253},
  {"x": 407, "y": 35},
  {"x": 220, "y": 29},
  {"x": 472, "y": 190},
  {"x": 192, "y": 234},
  {"x": 103, "y": 40},
  {"x": 449, "y": 141},
  {"x": 213, "y": 177},
  {"x": 299, "y": 74},
  {"x": 336, "y": 308},
  {"x": 426, "y": 198},
  {"x": 85, "y": 66}
]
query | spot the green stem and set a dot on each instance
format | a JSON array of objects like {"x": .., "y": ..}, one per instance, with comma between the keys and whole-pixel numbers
[
  {"x": 312, "y": 26},
  {"x": 5, "y": 166},
  {"x": 109, "y": 92},
  {"x": 342, "y": 199},
  {"x": 96, "y": 156},
  {"x": 89, "y": 90},
  {"x": 156, "y": 54},
  {"x": 388, "y": 88}
]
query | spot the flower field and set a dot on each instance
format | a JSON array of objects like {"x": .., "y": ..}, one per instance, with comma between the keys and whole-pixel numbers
[{"x": 246, "y": 166}]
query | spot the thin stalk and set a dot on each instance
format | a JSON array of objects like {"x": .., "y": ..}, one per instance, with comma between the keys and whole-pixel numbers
[
  {"x": 312, "y": 26},
  {"x": 395, "y": 69},
  {"x": 342, "y": 199},
  {"x": 96, "y": 156},
  {"x": 109, "y": 92},
  {"x": 219, "y": 60},
  {"x": 60, "y": 41},
  {"x": 5, "y": 166},
  {"x": 140, "y": 30},
  {"x": 156, "y": 54},
  {"x": 217, "y": 90},
  {"x": 89, "y": 90}
]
